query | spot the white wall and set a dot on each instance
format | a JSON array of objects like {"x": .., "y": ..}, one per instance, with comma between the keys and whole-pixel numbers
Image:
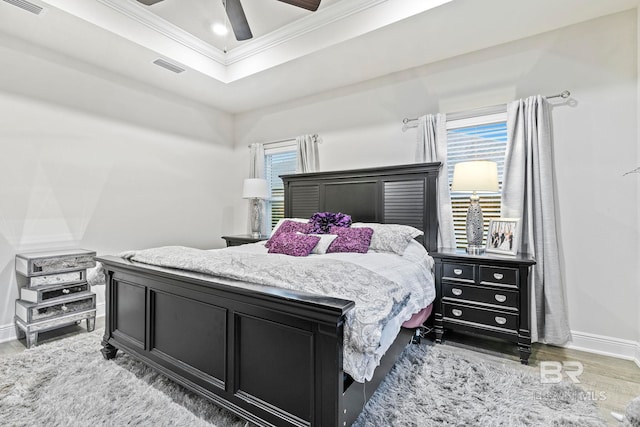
[
  {"x": 110, "y": 167},
  {"x": 596, "y": 141}
]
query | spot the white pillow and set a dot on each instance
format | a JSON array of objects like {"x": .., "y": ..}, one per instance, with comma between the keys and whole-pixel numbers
[
  {"x": 418, "y": 254},
  {"x": 323, "y": 244},
  {"x": 390, "y": 237},
  {"x": 287, "y": 219}
]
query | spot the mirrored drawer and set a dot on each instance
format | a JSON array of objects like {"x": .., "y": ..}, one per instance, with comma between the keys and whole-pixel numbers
[
  {"x": 480, "y": 294},
  {"x": 456, "y": 271},
  {"x": 44, "y": 294},
  {"x": 499, "y": 275},
  {"x": 42, "y": 263},
  {"x": 52, "y": 279},
  {"x": 32, "y": 312},
  {"x": 480, "y": 316}
]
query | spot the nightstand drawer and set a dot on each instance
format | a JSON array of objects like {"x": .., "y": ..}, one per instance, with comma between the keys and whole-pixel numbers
[
  {"x": 52, "y": 279},
  {"x": 59, "y": 307},
  {"x": 455, "y": 271},
  {"x": 44, "y": 263},
  {"x": 499, "y": 275},
  {"x": 481, "y": 316},
  {"x": 44, "y": 294},
  {"x": 479, "y": 294}
]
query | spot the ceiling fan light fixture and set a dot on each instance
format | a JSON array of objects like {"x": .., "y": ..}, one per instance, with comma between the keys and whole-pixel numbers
[{"x": 219, "y": 29}]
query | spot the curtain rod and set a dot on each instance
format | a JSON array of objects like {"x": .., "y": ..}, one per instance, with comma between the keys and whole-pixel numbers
[
  {"x": 314, "y": 136},
  {"x": 564, "y": 94}
]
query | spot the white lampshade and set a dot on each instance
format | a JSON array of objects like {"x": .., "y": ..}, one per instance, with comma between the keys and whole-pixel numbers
[
  {"x": 255, "y": 188},
  {"x": 477, "y": 175}
]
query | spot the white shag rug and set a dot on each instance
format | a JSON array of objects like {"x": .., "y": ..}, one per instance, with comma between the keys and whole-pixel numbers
[{"x": 68, "y": 383}]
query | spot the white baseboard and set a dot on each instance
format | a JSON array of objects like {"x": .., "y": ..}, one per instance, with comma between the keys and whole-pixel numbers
[
  {"x": 607, "y": 346},
  {"x": 8, "y": 332}
]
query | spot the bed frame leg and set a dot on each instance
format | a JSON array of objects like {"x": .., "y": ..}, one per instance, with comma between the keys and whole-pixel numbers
[
  {"x": 108, "y": 351},
  {"x": 420, "y": 332},
  {"x": 417, "y": 336}
]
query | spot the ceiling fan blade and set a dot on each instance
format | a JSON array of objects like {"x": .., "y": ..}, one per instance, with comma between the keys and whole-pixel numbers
[
  {"x": 237, "y": 19},
  {"x": 149, "y": 2},
  {"x": 311, "y": 5}
]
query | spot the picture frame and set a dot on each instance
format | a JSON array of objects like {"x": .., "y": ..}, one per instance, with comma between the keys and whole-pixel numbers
[{"x": 503, "y": 236}]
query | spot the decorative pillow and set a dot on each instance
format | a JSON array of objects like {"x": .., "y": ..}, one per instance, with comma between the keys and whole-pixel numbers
[
  {"x": 350, "y": 239},
  {"x": 321, "y": 221},
  {"x": 280, "y": 221},
  {"x": 390, "y": 237},
  {"x": 288, "y": 226},
  {"x": 294, "y": 244},
  {"x": 323, "y": 244}
]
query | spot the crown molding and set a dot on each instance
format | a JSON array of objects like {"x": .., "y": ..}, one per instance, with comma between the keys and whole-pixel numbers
[
  {"x": 309, "y": 23},
  {"x": 142, "y": 15},
  {"x": 312, "y": 22}
]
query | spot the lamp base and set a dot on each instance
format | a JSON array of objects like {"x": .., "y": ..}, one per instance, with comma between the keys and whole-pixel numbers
[
  {"x": 475, "y": 250},
  {"x": 475, "y": 224},
  {"x": 256, "y": 217}
]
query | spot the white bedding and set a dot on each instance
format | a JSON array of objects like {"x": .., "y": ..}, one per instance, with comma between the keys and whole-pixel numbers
[{"x": 412, "y": 271}]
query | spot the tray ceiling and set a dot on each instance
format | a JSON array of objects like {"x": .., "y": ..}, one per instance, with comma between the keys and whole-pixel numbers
[{"x": 294, "y": 53}]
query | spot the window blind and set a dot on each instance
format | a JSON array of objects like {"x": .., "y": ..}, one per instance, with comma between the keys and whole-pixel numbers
[
  {"x": 479, "y": 138},
  {"x": 277, "y": 163}
]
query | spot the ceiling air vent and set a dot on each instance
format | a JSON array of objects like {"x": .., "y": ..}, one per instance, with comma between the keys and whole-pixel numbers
[
  {"x": 168, "y": 65},
  {"x": 29, "y": 7}
]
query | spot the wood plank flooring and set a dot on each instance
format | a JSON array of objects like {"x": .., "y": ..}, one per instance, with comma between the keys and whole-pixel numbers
[{"x": 614, "y": 382}]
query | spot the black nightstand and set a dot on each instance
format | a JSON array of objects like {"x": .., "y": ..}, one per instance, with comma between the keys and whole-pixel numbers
[
  {"x": 241, "y": 239},
  {"x": 485, "y": 294}
]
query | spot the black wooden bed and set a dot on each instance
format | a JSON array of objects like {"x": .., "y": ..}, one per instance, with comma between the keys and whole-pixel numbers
[{"x": 272, "y": 356}]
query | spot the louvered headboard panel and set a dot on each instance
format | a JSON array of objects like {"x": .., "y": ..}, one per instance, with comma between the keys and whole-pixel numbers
[{"x": 394, "y": 195}]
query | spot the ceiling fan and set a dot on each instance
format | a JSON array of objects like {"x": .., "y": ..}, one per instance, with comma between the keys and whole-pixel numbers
[{"x": 237, "y": 18}]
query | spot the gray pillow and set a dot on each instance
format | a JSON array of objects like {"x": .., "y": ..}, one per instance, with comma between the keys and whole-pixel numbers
[{"x": 390, "y": 237}]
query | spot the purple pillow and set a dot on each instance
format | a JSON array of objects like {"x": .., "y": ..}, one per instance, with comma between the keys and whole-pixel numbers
[
  {"x": 350, "y": 239},
  {"x": 322, "y": 221},
  {"x": 289, "y": 227},
  {"x": 293, "y": 244}
]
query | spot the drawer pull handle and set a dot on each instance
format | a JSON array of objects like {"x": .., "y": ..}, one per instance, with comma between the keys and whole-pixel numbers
[
  {"x": 498, "y": 276},
  {"x": 457, "y": 271},
  {"x": 500, "y": 320},
  {"x": 64, "y": 307},
  {"x": 456, "y": 312},
  {"x": 456, "y": 291},
  {"x": 65, "y": 291},
  {"x": 500, "y": 297}
]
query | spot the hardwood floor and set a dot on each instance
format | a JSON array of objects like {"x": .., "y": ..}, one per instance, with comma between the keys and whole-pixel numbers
[{"x": 614, "y": 382}]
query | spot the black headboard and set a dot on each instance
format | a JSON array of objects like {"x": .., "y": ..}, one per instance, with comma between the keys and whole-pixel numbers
[{"x": 403, "y": 194}]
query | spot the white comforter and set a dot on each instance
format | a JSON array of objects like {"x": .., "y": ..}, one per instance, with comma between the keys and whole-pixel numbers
[{"x": 413, "y": 271}]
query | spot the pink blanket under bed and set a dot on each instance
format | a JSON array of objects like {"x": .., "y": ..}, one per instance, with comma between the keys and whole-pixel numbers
[{"x": 418, "y": 318}]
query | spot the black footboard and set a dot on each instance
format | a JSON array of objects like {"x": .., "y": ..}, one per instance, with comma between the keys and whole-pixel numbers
[{"x": 272, "y": 356}]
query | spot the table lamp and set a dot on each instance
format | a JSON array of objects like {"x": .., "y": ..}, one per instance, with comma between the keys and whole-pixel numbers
[
  {"x": 256, "y": 190},
  {"x": 476, "y": 176}
]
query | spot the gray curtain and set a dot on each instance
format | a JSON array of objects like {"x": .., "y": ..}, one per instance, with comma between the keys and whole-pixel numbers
[
  {"x": 528, "y": 194},
  {"x": 432, "y": 147},
  {"x": 307, "y": 154},
  {"x": 256, "y": 160}
]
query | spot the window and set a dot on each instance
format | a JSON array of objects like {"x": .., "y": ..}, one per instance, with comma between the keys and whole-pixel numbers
[
  {"x": 279, "y": 160},
  {"x": 476, "y": 138}
]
